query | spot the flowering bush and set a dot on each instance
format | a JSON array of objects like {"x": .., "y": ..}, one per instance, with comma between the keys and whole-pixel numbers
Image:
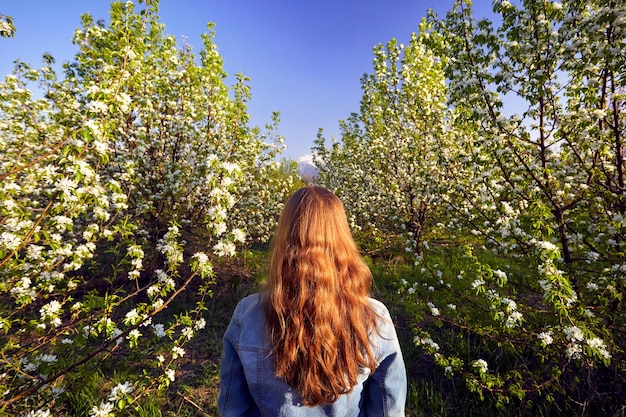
[
  {"x": 109, "y": 178},
  {"x": 178, "y": 130},
  {"x": 526, "y": 297},
  {"x": 385, "y": 169}
]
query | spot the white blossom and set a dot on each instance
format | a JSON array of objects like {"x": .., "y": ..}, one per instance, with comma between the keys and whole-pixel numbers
[
  {"x": 239, "y": 235},
  {"x": 545, "y": 338},
  {"x": 224, "y": 249},
  {"x": 598, "y": 344},
  {"x": 10, "y": 240},
  {"x": 159, "y": 330},
  {"x": 426, "y": 341},
  {"x": 200, "y": 324},
  {"x": 477, "y": 283},
  {"x": 134, "y": 335},
  {"x": 513, "y": 319},
  {"x": 105, "y": 409},
  {"x": 573, "y": 334},
  {"x": 120, "y": 390},
  {"x": 50, "y": 310},
  {"x": 574, "y": 351},
  {"x": 500, "y": 274},
  {"x": 97, "y": 107},
  {"x": 132, "y": 317},
  {"x": 177, "y": 352},
  {"x": 187, "y": 332},
  {"x": 433, "y": 309},
  {"x": 48, "y": 358},
  {"x": 41, "y": 412},
  {"x": 480, "y": 365}
]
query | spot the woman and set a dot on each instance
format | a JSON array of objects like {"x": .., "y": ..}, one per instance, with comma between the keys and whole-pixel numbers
[{"x": 314, "y": 343}]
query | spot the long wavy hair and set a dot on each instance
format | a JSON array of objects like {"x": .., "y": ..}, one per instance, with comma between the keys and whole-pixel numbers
[{"x": 318, "y": 315}]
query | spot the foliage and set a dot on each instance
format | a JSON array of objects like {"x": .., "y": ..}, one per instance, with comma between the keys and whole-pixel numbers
[
  {"x": 7, "y": 28},
  {"x": 260, "y": 196},
  {"x": 383, "y": 169},
  {"x": 178, "y": 129},
  {"x": 528, "y": 167},
  {"x": 114, "y": 180}
]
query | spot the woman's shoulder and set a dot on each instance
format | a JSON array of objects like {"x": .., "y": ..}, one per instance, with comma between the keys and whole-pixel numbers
[
  {"x": 250, "y": 305},
  {"x": 249, "y": 323},
  {"x": 385, "y": 329},
  {"x": 380, "y": 308},
  {"x": 253, "y": 299}
]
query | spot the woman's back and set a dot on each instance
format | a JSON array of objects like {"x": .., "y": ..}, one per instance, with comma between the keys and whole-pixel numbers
[
  {"x": 314, "y": 343},
  {"x": 251, "y": 388}
]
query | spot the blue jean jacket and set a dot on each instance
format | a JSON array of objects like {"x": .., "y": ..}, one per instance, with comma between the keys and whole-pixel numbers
[{"x": 250, "y": 388}]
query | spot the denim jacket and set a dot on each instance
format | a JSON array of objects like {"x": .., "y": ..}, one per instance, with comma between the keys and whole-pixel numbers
[{"x": 250, "y": 388}]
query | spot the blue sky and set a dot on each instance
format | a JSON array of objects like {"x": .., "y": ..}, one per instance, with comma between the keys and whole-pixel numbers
[{"x": 305, "y": 59}]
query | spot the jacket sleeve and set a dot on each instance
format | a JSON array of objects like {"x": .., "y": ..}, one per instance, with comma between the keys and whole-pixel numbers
[
  {"x": 234, "y": 399},
  {"x": 385, "y": 390}
]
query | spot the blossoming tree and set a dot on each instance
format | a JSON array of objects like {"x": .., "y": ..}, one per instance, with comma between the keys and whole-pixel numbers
[
  {"x": 385, "y": 169},
  {"x": 540, "y": 183},
  {"x": 103, "y": 177},
  {"x": 530, "y": 184}
]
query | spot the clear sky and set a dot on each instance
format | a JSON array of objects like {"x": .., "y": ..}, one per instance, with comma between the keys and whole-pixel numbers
[{"x": 305, "y": 59}]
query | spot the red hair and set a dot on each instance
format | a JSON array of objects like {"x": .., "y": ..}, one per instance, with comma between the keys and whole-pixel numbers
[{"x": 318, "y": 312}]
